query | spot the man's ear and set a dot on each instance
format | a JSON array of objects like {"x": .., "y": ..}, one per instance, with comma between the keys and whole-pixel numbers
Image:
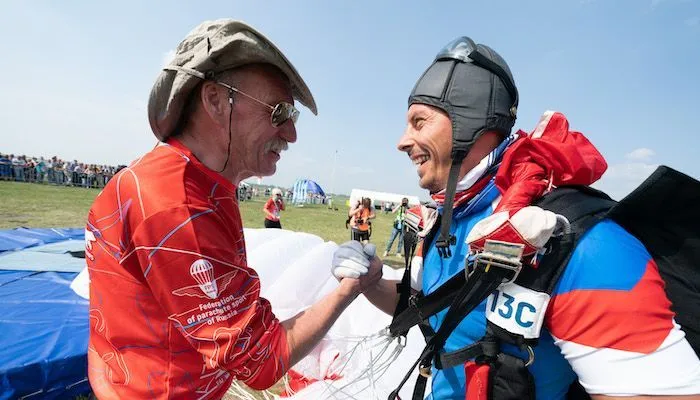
[{"x": 214, "y": 103}]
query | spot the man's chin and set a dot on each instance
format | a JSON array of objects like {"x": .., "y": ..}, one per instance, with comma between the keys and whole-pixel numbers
[
  {"x": 425, "y": 184},
  {"x": 268, "y": 171},
  {"x": 430, "y": 186}
]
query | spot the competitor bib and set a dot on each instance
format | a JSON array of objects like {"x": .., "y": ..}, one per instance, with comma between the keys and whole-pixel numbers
[{"x": 517, "y": 309}]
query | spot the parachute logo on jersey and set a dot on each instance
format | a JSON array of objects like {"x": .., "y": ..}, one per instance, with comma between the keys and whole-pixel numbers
[{"x": 203, "y": 272}]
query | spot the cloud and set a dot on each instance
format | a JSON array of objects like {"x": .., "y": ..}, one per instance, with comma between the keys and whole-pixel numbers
[
  {"x": 692, "y": 22},
  {"x": 640, "y": 154},
  {"x": 168, "y": 57},
  {"x": 657, "y": 3},
  {"x": 630, "y": 172},
  {"x": 622, "y": 178}
]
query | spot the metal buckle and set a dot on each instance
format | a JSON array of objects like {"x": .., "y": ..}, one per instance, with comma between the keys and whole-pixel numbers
[
  {"x": 501, "y": 254},
  {"x": 402, "y": 341},
  {"x": 425, "y": 371},
  {"x": 412, "y": 302},
  {"x": 530, "y": 356}
]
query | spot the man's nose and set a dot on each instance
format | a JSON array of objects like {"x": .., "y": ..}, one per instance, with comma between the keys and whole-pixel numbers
[
  {"x": 288, "y": 132},
  {"x": 405, "y": 142}
]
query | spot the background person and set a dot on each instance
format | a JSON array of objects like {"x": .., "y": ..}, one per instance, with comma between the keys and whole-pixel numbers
[
  {"x": 360, "y": 222},
  {"x": 397, "y": 228},
  {"x": 272, "y": 209}
]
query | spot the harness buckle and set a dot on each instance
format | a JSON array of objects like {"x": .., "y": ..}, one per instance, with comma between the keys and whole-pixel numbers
[
  {"x": 501, "y": 254},
  {"x": 413, "y": 303},
  {"x": 425, "y": 371},
  {"x": 530, "y": 356}
]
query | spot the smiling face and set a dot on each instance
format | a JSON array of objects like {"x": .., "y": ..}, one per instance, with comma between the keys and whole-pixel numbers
[
  {"x": 427, "y": 141},
  {"x": 259, "y": 144}
]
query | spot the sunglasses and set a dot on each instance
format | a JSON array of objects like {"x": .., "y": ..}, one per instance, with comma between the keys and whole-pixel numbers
[
  {"x": 280, "y": 113},
  {"x": 464, "y": 49}
]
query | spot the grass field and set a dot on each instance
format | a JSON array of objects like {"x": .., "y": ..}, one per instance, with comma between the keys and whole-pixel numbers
[
  {"x": 37, "y": 206},
  {"x": 33, "y": 205}
]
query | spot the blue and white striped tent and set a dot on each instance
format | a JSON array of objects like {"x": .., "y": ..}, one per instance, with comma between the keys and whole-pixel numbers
[{"x": 303, "y": 188}]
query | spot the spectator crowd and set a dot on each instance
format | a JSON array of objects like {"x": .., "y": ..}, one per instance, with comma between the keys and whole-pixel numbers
[{"x": 55, "y": 171}]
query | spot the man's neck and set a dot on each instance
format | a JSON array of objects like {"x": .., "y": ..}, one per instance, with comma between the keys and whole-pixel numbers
[{"x": 201, "y": 147}]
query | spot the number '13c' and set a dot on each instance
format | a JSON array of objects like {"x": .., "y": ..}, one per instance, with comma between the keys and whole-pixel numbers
[{"x": 506, "y": 309}]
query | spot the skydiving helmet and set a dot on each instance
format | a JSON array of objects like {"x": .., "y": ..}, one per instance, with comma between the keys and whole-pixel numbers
[{"x": 475, "y": 87}]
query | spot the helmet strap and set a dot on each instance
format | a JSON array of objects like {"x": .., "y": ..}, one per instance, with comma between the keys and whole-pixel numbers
[{"x": 445, "y": 240}]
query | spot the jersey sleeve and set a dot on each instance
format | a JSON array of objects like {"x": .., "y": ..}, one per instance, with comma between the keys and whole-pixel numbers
[
  {"x": 195, "y": 266},
  {"x": 612, "y": 320},
  {"x": 269, "y": 205}
]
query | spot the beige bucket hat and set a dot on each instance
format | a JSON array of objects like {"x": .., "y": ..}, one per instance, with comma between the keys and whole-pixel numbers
[{"x": 213, "y": 47}]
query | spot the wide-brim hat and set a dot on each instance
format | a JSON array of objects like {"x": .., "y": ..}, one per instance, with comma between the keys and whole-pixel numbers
[{"x": 211, "y": 48}]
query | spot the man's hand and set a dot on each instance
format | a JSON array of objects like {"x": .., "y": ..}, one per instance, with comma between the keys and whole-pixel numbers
[
  {"x": 356, "y": 266},
  {"x": 350, "y": 261},
  {"x": 375, "y": 273}
]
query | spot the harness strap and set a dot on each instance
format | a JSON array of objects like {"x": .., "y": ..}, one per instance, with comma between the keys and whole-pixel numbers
[
  {"x": 488, "y": 348},
  {"x": 419, "y": 388},
  {"x": 404, "y": 287},
  {"x": 480, "y": 284},
  {"x": 420, "y": 307},
  {"x": 446, "y": 239},
  {"x": 478, "y": 287}
]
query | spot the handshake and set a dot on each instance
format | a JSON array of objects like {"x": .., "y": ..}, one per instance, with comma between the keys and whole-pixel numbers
[{"x": 352, "y": 259}]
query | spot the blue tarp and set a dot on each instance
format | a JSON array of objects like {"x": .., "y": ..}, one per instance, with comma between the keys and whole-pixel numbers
[{"x": 43, "y": 323}]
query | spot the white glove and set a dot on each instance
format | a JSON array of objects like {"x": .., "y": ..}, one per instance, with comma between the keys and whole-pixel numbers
[
  {"x": 370, "y": 250},
  {"x": 351, "y": 259}
]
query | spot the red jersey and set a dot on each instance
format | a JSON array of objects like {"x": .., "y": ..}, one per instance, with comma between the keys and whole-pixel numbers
[
  {"x": 175, "y": 311},
  {"x": 273, "y": 208}
]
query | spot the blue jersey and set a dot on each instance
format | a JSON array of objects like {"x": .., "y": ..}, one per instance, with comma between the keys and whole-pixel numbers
[{"x": 608, "y": 323}]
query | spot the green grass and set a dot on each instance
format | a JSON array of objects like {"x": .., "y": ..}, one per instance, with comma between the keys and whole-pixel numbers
[
  {"x": 37, "y": 206},
  {"x": 34, "y": 205}
]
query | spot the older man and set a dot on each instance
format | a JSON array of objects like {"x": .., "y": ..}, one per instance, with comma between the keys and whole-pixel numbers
[
  {"x": 605, "y": 323},
  {"x": 175, "y": 310}
]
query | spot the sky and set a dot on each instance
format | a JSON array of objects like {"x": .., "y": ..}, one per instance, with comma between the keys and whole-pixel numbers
[{"x": 75, "y": 77}]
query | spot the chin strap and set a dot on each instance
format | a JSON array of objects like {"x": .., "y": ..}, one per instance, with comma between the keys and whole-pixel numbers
[
  {"x": 445, "y": 240},
  {"x": 230, "y": 117}
]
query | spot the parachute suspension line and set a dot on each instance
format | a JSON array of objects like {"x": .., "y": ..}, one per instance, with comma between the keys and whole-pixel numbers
[
  {"x": 377, "y": 365},
  {"x": 360, "y": 341},
  {"x": 382, "y": 349},
  {"x": 287, "y": 388},
  {"x": 351, "y": 338},
  {"x": 239, "y": 392}
]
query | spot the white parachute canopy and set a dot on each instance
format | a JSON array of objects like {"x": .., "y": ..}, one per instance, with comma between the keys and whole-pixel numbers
[{"x": 356, "y": 359}]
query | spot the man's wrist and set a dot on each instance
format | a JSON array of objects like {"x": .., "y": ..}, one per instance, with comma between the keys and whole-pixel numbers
[
  {"x": 376, "y": 288},
  {"x": 349, "y": 288}
]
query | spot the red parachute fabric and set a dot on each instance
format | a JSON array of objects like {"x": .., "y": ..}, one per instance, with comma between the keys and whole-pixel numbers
[
  {"x": 298, "y": 382},
  {"x": 550, "y": 156}
]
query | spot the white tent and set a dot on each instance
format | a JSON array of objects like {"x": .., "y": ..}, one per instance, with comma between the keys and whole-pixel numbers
[{"x": 380, "y": 197}]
